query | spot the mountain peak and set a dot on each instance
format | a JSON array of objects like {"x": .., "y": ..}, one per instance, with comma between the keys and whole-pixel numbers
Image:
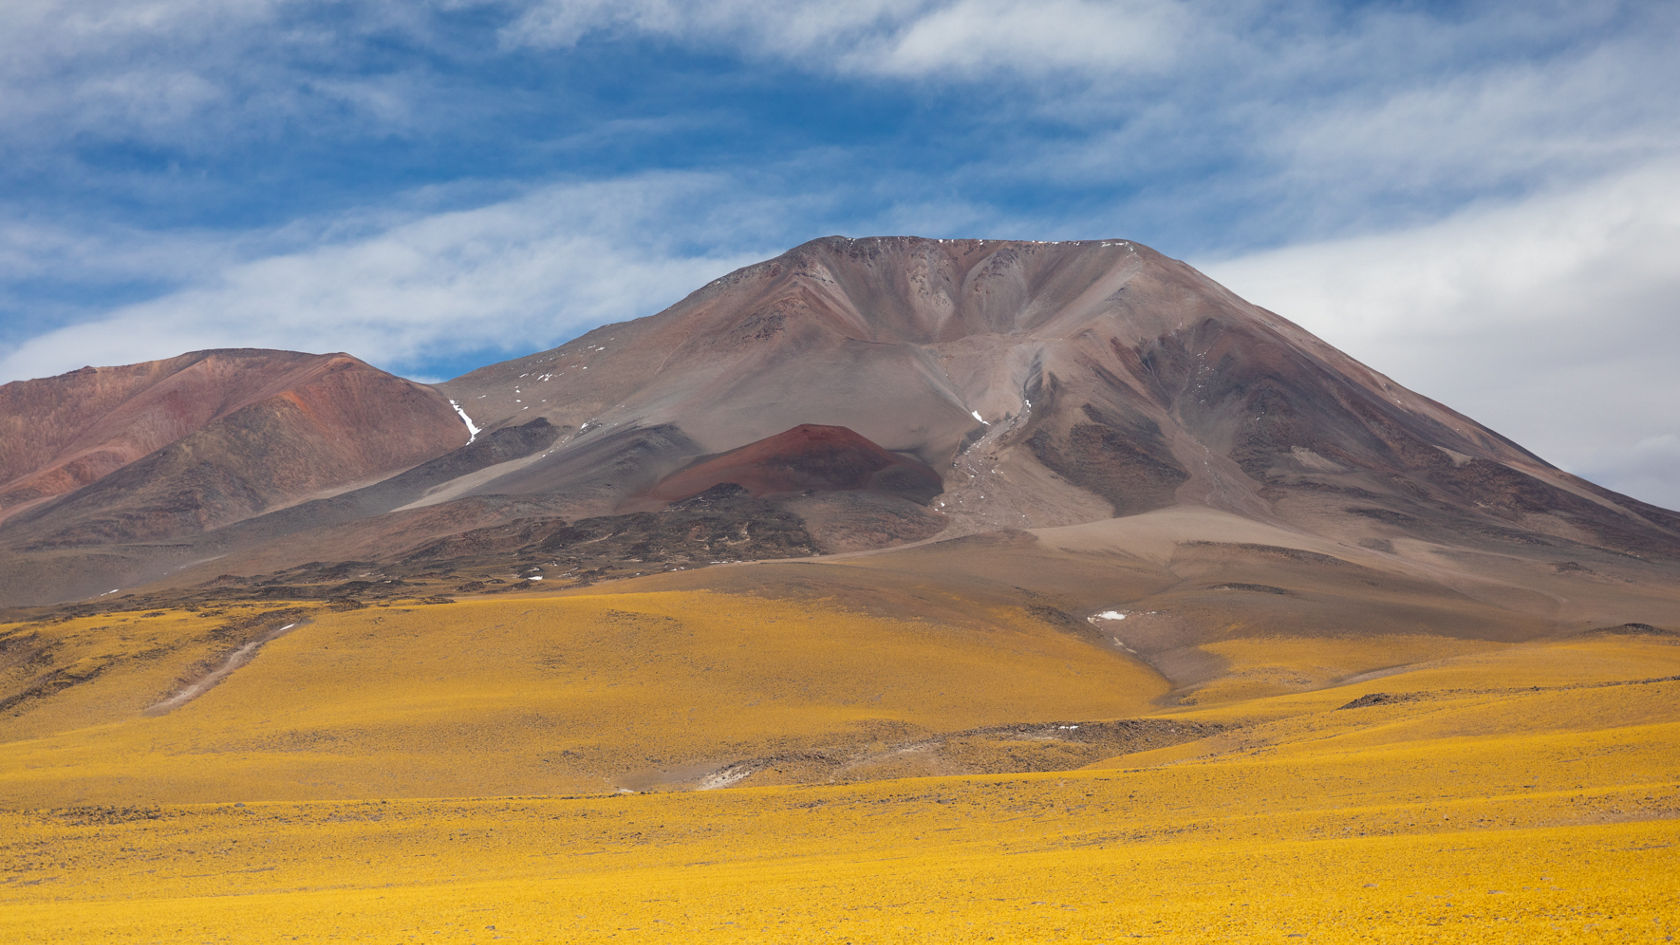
[
  {"x": 889, "y": 388},
  {"x": 905, "y": 289},
  {"x": 1050, "y": 382}
]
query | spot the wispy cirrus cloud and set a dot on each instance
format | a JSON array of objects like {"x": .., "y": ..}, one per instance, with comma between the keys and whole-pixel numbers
[
  {"x": 150, "y": 70},
  {"x": 491, "y": 281},
  {"x": 952, "y": 39},
  {"x": 1580, "y": 111}
]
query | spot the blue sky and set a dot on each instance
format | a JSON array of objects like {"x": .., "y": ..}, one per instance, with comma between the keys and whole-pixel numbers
[{"x": 1480, "y": 199}]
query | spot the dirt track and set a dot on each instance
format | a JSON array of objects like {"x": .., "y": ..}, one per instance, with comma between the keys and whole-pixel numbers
[{"x": 220, "y": 671}]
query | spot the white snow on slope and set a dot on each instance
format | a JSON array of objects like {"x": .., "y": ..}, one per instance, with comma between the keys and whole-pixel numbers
[{"x": 472, "y": 428}]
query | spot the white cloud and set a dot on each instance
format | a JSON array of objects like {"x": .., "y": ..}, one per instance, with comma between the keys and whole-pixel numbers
[
  {"x": 976, "y": 37},
  {"x": 515, "y": 276},
  {"x": 1553, "y": 320},
  {"x": 205, "y": 75},
  {"x": 796, "y": 28},
  {"x": 948, "y": 39},
  {"x": 32, "y": 249},
  {"x": 111, "y": 67},
  {"x": 1572, "y": 113}
]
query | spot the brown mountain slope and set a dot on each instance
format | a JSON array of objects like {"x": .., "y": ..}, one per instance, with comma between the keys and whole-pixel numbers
[
  {"x": 1051, "y": 384},
  {"x": 105, "y": 457},
  {"x": 1045, "y": 386},
  {"x": 58, "y": 434}
]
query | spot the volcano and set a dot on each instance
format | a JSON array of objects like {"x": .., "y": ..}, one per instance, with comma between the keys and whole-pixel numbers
[
  {"x": 861, "y": 393},
  {"x": 1050, "y": 384}
]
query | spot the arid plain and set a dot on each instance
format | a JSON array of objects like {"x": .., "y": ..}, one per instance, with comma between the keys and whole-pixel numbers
[{"x": 535, "y": 767}]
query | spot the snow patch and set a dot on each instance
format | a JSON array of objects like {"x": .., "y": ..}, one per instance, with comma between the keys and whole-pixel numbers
[
  {"x": 976, "y": 415},
  {"x": 472, "y": 428},
  {"x": 1109, "y": 615}
]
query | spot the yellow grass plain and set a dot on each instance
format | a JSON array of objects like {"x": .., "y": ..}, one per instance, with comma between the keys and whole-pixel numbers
[{"x": 448, "y": 773}]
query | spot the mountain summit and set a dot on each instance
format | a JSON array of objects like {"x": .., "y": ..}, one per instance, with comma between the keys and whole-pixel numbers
[{"x": 1050, "y": 383}]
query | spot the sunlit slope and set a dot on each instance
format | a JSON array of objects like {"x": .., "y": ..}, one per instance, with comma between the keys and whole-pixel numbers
[
  {"x": 1535, "y": 804},
  {"x": 523, "y": 695}
]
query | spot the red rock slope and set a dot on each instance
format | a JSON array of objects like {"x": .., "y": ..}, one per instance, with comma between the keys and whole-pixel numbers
[
  {"x": 808, "y": 458},
  {"x": 204, "y": 439}
]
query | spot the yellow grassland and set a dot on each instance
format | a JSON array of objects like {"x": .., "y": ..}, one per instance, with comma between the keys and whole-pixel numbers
[
  {"x": 443, "y": 773},
  {"x": 537, "y": 695}
]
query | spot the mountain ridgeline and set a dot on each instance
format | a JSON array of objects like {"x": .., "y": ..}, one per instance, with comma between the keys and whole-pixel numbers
[{"x": 850, "y": 395}]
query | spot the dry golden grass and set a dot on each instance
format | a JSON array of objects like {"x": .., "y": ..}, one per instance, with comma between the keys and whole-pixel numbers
[
  {"x": 1524, "y": 793},
  {"x": 536, "y": 695},
  {"x": 1272, "y": 665}
]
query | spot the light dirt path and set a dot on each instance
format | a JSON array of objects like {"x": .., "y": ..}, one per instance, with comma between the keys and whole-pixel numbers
[{"x": 221, "y": 671}]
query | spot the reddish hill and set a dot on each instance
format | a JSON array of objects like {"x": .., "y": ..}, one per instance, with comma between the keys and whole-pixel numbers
[
  {"x": 204, "y": 439},
  {"x": 58, "y": 434},
  {"x": 808, "y": 458}
]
